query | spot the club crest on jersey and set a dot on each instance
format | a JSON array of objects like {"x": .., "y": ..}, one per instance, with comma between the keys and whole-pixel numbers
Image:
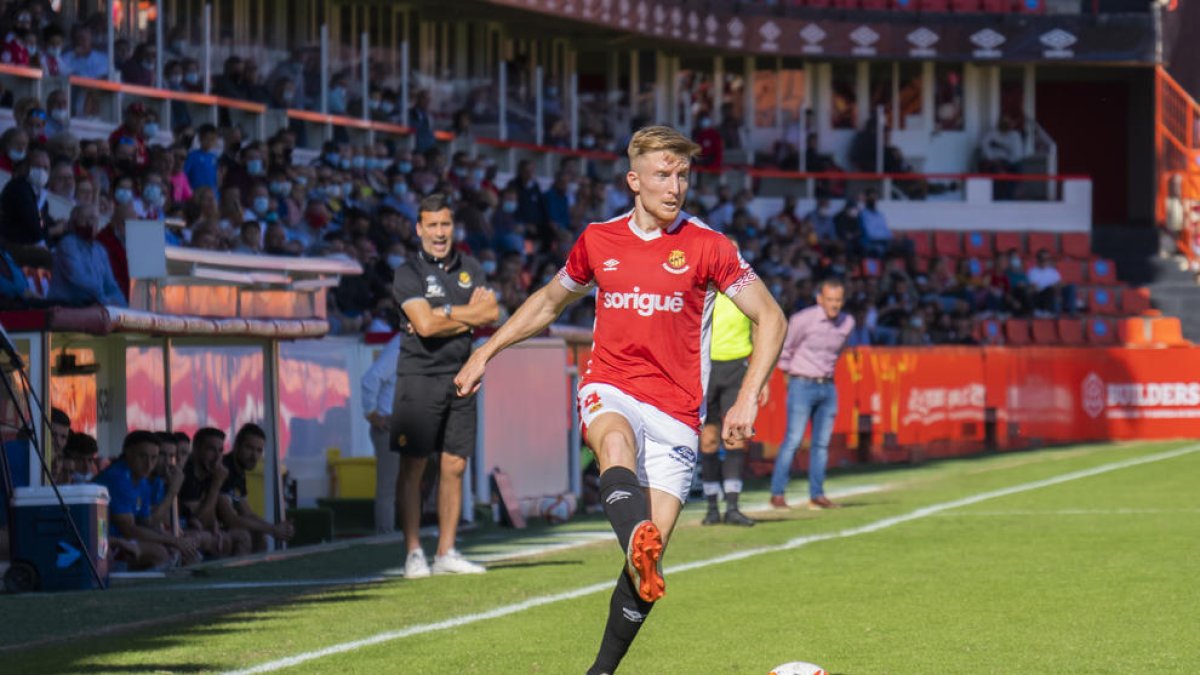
[
  {"x": 464, "y": 279},
  {"x": 676, "y": 262},
  {"x": 434, "y": 289}
]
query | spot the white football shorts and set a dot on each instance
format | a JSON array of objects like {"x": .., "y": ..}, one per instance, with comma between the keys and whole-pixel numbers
[{"x": 667, "y": 449}]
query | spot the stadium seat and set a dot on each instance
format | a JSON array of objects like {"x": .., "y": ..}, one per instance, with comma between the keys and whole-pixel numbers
[
  {"x": 947, "y": 243},
  {"x": 1135, "y": 301},
  {"x": 966, "y": 5},
  {"x": 871, "y": 267},
  {"x": 818, "y": 4},
  {"x": 1071, "y": 271},
  {"x": 1100, "y": 331},
  {"x": 997, "y": 6},
  {"x": 1102, "y": 300},
  {"x": 1134, "y": 331},
  {"x": 1102, "y": 271},
  {"x": 1008, "y": 241},
  {"x": 905, "y": 5},
  {"x": 922, "y": 247},
  {"x": 989, "y": 332},
  {"x": 845, "y": 4},
  {"x": 1031, "y": 6},
  {"x": 1037, "y": 241},
  {"x": 978, "y": 245},
  {"x": 1016, "y": 332},
  {"x": 1167, "y": 330},
  {"x": 875, "y": 5},
  {"x": 1070, "y": 331},
  {"x": 1044, "y": 332},
  {"x": 1077, "y": 245}
]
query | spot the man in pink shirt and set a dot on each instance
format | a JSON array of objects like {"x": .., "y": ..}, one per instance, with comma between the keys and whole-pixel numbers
[{"x": 815, "y": 338}]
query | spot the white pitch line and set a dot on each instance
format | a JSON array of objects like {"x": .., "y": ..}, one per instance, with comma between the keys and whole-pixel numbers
[
  {"x": 1066, "y": 512},
  {"x": 539, "y": 601}
]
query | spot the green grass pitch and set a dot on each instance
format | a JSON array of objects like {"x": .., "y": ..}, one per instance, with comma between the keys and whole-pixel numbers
[{"x": 1023, "y": 562}]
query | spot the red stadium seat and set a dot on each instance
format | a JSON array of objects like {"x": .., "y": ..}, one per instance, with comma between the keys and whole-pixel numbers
[
  {"x": 989, "y": 332},
  {"x": 1031, "y": 6},
  {"x": 1101, "y": 331},
  {"x": 1071, "y": 271},
  {"x": 978, "y": 245},
  {"x": 1102, "y": 300},
  {"x": 922, "y": 247},
  {"x": 1135, "y": 301},
  {"x": 1008, "y": 241},
  {"x": 845, "y": 4},
  {"x": 1037, "y": 241},
  {"x": 875, "y": 5},
  {"x": 1077, "y": 245},
  {"x": 947, "y": 243},
  {"x": 1102, "y": 271},
  {"x": 905, "y": 5},
  {"x": 935, "y": 5},
  {"x": 1016, "y": 332},
  {"x": 1070, "y": 331},
  {"x": 1045, "y": 332},
  {"x": 871, "y": 267},
  {"x": 997, "y": 6},
  {"x": 966, "y": 5},
  {"x": 819, "y": 4}
]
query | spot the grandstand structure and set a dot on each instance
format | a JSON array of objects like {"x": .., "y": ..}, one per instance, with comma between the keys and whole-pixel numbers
[{"x": 893, "y": 95}]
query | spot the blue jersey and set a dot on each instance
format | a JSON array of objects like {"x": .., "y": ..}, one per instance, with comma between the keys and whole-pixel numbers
[{"x": 125, "y": 495}]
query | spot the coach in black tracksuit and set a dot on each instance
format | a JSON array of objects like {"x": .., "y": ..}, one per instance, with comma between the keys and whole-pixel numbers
[{"x": 441, "y": 293}]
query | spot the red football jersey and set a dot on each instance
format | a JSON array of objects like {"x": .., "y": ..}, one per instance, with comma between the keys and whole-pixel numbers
[{"x": 654, "y": 304}]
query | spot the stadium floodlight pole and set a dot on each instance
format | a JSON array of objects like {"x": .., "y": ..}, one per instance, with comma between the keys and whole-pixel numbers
[
  {"x": 538, "y": 103},
  {"x": 502, "y": 104},
  {"x": 112, "y": 29},
  {"x": 208, "y": 10}
]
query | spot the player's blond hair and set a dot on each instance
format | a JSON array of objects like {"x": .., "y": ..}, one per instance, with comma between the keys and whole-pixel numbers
[{"x": 652, "y": 139}]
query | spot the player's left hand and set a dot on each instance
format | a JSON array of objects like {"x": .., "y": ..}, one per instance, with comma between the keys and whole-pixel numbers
[
  {"x": 470, "y": 376},
  {"x": 739, "y": 421}
]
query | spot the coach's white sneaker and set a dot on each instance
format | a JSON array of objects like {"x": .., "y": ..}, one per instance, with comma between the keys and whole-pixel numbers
[
  {"x": 454, "y": 563},
  {"x": 415, "y": 566}
]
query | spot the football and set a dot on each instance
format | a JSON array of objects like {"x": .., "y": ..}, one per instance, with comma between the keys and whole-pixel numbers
[
  {"x": 557, "y": 509},
  {"x": 797, "y": 668}
]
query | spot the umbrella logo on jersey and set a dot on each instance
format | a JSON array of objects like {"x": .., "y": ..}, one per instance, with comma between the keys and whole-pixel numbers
[
  {"x": 464, "y": 279},
  {"x": 676, "y": 262}
]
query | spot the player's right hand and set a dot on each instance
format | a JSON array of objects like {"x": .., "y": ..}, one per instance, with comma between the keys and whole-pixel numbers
[{"x": 468, "y": 379}]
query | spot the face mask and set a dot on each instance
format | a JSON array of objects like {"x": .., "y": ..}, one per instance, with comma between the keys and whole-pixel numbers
[
  {"x": 510, "y": 207},
  {"x": 395, "y": 260},
  {"x": 388, "y": 107},
  {"x": 152, "y": 194},
  {"x": 489, "y": 267},
  {"x": 400, "y": 189},
  {"x": 33, "y": 50},
  {"x": 460, "y": 233},
  {"x": 373, "y": 104},
  {"x": 301, "y": 181},
  {"x": 551, "y": 91},
  {"x": 333, "y": 191},
  {"x": 337, "y": 100},
  {"x": 705, "y": 123},
  {"x": 588, "y": 141},
  {"x": 54, "y": 51},
  {"x": 150, "y": 130},
  {"x": 344, "y": 163},
  {"x": 254, "y": 167},
  {"x": 192, "y": 78},
  {"x": 280, "y": 188},
  {"x": 178, "y": 46},
  {"x": 333, "y": 158},
  {"x": 148, "y": 65},
  {"x": 478, "y": 175},
  {"x": 460, "y": 171},
  {"x": 123, "y": 195},
  {"x": 262, "y": 205},
  {"x": 348, "y": 189},
  {"x": 175, "y": 80},
  {"x": 1015, "y": 263},
  {"x": 288, "y": 95},
  {"x": 358, "y": 162},
  {"x": 16, "y": 155},
  {"x": 404, "y": 167},
  {"x": 60, "y": 115},
  {"x": 39, "y": 177}
]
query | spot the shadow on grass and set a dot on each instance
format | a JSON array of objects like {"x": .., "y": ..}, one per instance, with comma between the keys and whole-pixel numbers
[{"x": 532, "y": 563}]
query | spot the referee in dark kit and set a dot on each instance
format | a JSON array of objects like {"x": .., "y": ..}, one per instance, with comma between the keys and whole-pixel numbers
[{"x": 442, "y": 295}]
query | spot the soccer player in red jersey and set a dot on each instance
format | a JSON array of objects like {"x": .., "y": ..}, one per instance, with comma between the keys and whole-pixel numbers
[{"x": 656, "y": 271}]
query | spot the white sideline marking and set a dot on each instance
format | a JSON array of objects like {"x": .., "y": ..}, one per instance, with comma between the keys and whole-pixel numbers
[
  {"x": 876, "y": 526},
  {"x": 1066, "y": 512}
]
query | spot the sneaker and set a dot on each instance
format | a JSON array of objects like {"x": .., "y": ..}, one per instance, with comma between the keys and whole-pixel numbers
[
  {"x": 736, "y": 517},
  {"x": 454, "y": 563},
  {"x": 415, "y": 566},
  {"x": 713, "y": 517},
  {"x": 643, "y": 561}
]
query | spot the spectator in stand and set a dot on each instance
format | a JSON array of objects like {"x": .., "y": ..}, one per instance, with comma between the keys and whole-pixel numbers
[
  {"x": 199, "y": 497},
  {"x": 1051, "y": 296},
  {"x": 15, "y": 290},
  {"x": 231, "y": 83},
  {"x": 53, "y": 40},
  {"x": 193, "y": 77},
  {"x": 133, "y": 132},
  {"x": 822, "y": 219},
  {"x": 378, "y": 391},
  {"x": 558, "y": 209},
  {"x": 712, "y": 146},
  {"x": 201, "y": 164},
  {"x": 34, "y": 124},
  {"x": 20, "y": 49},
  {"x": 112, "y": 238},
  {"x": 139, "y": 69},
  {"x": 129, "y": 504},
  {"x": 62, "y": 179},
  {"x": 531, "y": 203},
  {"x": 1018, "y": 281},
  {"x": 250, "y": 239},
  {"x": 255, "y": 90},
  {"x": 878, "y": 241},
  {"x": 16, "y": 147},
  {"x": 82, "y": 60},
  {"x": 82, "y": 274},
  {"x": 849, "y": 228},
  {"x": 26, "y": 225},
  {"x": 1000, "y": 151},
  {"x": 232, "y": 508},
  {"x": 177, "y": 44},
  {"x": 60, "y": 114},
  {"x": 421, "y": 123}
]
